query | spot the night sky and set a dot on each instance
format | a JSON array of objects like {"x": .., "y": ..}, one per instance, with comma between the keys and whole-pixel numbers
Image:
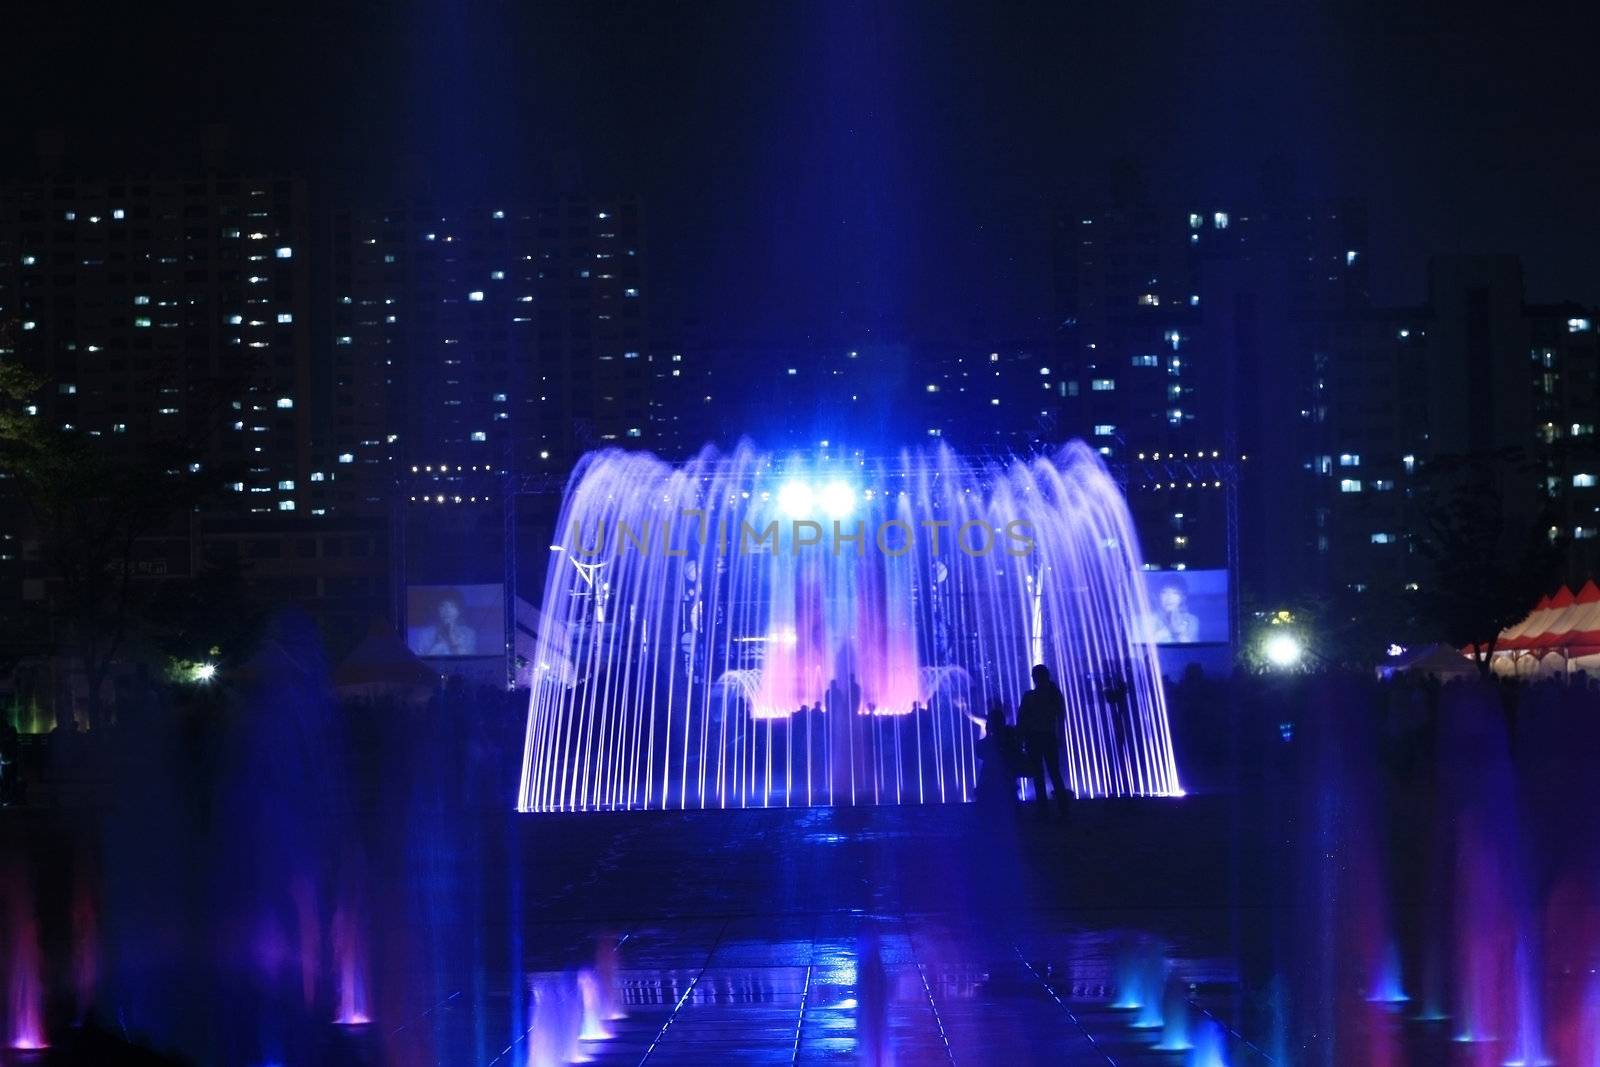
[{"x": 833, "y": 170}]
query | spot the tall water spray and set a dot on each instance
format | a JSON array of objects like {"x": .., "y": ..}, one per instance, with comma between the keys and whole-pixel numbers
[{"x": 753, "y": 630}]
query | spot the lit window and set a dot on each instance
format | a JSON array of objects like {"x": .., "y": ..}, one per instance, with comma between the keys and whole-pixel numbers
[
  {"x": 346, "y": 457},
  {"x": 1583, "y": 533},
  {"x": 1196, "y": 220},
  {"x": 476, "y": 295},
  {"x": 287, "y": 484},
  {"x": 286, "y": 505},
  {"x": 1409, "y": 462},
  {"x": 1350, "y": 485},
  {"x": 285, "y": 317},
  {"x": 497, "y": 275},
  {"x": 1104, "y": 429},
  {"x": 286, "y": 402},
  {"x": 141, "y": 300},
  {"x": 1220, "y": 220},
  {"x": 633, "y": 431},
  {"x": 479, "y": 435},
  {"x": 67, "y": 389},
  {"x": 119, "y": 427},
  {"x": 142, "y": 323},
  {"x": 630, "y": 292},
  {"x": 28, "y": 261},
  {"x": 1578, "y": 325},
  {"x": 284, "y": 253},
  {"x": 343, "y": 340},
  {"x": 1382, "y": 485},
  {"x": 1384, "y": 538},
  {"x": 318, "y": 476},
  {"x": 118, "y": 213},
  {"x": 1583, "y": 481},
  {"x": 932, "y": 387},
  {"x": 1349, "y": 459},
  {"x": 1350, "y": 258},
  {"x": 1149, "y": 300},
  {"x": 1102, "y": 385},
  {"x": 1147, "y": 361},
  {"x": 499, "y": 398}
]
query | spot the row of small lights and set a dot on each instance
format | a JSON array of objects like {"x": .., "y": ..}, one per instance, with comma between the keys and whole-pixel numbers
[{"x": 1214, "y": 454}]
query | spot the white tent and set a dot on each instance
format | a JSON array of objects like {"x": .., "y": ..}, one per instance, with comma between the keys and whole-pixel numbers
[{"x": 1433, "y": 661}]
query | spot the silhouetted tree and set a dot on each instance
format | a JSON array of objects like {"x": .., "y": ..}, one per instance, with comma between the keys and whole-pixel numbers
[
  {"x": 1484, "y": 527},
  {"x": 90, "y": 500}
]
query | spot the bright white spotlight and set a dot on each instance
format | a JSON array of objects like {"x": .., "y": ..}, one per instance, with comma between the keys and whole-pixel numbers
[
  {"x": 794, "y": 500},
  {"x": 838, "y": 500},
  {"x": 1283, "y": 651},
  {"x": 203, "y": 672}
]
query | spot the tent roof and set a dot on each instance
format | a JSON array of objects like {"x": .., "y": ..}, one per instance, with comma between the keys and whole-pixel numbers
[
  {"x": 1436, "y": 659},
  {"x": 381, "y": 658},
  {"x": 1564, "y": 621}
]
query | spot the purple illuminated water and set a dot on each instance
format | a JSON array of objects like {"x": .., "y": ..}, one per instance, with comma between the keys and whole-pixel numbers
[
  {"x": 349, "y": 953},
  {"x": 686, "y": 662},
  {"x": 25, "y": 1015}
]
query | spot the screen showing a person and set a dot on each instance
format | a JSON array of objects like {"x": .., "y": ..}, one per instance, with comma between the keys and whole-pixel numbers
[
  {"x": 455, "y": 620},
  {"x": 1186, "y": 607}
]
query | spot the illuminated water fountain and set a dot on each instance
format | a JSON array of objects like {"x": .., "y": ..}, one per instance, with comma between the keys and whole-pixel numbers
[
  {"x": 24, "y": 1018},
  {"x": 752, "y": 630}
]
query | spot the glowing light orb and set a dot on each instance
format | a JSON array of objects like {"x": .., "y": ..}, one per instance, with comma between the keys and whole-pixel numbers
[
  {"x": 1283, "y": 651},
  {"x": 794, "y": 500},
  {"x": 838, "y": 500}
]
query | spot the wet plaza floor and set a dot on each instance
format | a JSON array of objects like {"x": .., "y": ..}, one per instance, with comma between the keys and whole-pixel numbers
[
  {"x": 1204, "y": 931},
  {"x": 909, "y": 936},
  {"x": 887, "y": 936}
]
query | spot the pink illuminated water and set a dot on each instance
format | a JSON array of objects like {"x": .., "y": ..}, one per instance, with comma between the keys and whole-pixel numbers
[{"x": 689, "y": 659}]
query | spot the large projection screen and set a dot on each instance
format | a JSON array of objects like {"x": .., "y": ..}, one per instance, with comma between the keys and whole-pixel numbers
[{"x": 455, "y": 621}]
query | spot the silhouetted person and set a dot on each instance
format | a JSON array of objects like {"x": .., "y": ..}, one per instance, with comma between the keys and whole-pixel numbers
[
  {"x": 1116, "y": 693},
  {"x": 10, "y": 764},
  {"x": 1001, "y": 753},
  {"x": 1040, "y": 720}
]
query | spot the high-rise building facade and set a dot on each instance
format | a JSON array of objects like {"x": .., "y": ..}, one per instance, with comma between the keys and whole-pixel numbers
[
  {"x": 169, "y": 307},
  {"x": 1180, "y": 337},
  {"x": 162, "y": 308},
  {"x": 1252, "y": 334},
  {"x": 504, "y": 338}
]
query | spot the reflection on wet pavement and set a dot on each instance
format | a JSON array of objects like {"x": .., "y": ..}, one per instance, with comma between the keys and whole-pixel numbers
[{"x": 844, "y": 988}]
